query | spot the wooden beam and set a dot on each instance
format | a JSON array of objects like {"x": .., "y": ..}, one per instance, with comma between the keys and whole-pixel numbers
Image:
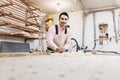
[
  {"x": 6, "y": 5},
  {"x": 18, "y": 34},
  {"x": 33, "y": 16},
  {"x": 12, "y": 16},
  {"x": 24, "y": 28},
  {"x": 4, "y": 24}
]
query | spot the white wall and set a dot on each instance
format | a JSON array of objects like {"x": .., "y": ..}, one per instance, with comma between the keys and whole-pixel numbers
[
  {"x": 89, "y": 31},
  {"x": 102, "y": 17}
]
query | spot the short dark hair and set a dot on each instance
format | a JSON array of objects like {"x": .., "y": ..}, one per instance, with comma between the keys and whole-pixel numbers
[{"x": 64, "y": 13}]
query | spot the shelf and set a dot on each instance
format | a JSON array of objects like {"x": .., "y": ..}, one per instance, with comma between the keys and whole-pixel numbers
[
  {"x": 24, "y": 28},
  {"x": 16, "y": 14},
  {"x": 15, "y": 17},
  {"x": 19, "y": 34}
]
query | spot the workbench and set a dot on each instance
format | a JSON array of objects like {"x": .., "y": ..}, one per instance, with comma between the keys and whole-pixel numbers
[{"x": 66, "y": 66}]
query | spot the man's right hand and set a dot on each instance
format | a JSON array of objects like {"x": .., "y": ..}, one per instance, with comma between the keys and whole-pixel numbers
[{"x": 60, "y": 50}]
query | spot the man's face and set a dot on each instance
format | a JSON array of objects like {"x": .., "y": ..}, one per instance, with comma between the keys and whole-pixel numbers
[{"x": 63, "y": 20}]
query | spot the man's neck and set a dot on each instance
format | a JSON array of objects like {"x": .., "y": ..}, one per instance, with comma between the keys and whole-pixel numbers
[{"x": 62, "y": 26}]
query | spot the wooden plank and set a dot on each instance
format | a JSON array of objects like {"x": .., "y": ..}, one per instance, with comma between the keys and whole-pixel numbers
[
  {"x": 4, "y": 33},
  {"x": 20, "y": 54},
  {"x": 24, "y": 28},
  {"x": 20, "y": 35},
  {"x": 6, "y": 5},
  {"x": 12, "y": 16}
]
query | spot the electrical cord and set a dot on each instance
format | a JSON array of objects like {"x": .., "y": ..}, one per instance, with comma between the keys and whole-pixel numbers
[{"x": 77, "y": 45}]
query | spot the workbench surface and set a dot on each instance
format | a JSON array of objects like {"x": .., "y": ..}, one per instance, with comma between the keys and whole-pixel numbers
[{"x": 60, "y": 67}]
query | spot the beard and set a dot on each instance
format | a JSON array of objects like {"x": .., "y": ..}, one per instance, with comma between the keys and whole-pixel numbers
[{"x": 62, "y": 24}]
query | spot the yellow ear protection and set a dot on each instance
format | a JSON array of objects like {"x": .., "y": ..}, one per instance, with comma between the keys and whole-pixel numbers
[{"x": 49, "y": 20}]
